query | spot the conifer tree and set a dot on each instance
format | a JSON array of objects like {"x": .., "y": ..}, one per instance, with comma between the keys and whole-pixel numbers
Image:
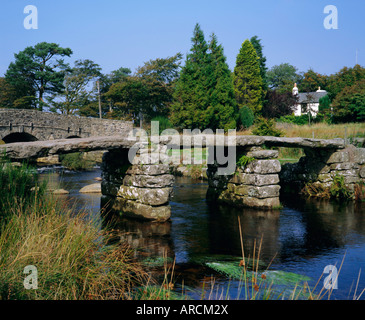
[
  {"x": 256, "y": 42},
  {"x": 248, "y": 84},
  {"x": 192, "y": 107},
  {"x": 222, "y": 97}
]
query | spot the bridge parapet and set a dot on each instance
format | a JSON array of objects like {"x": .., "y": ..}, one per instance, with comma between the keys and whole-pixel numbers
[{"x": 49, "y": 126}]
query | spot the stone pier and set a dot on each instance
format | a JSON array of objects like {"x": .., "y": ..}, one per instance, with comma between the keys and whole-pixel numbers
[
  {"x": 255, "y": 185},
  {"x": 321, "y": 166},
  {"x": 137, "y": 190}
]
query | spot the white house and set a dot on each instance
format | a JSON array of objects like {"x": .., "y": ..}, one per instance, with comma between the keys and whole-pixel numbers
[{"x": 308, "y": 101}]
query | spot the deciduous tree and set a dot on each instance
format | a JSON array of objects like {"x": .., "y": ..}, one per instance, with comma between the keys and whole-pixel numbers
[
  {"x": 282, "y": 77},
  {"x": 39, "y": 69}
]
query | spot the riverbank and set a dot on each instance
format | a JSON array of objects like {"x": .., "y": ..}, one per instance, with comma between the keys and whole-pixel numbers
[
  {"x": 69, "y": 250},
  {"x": 197, "y": 255}
]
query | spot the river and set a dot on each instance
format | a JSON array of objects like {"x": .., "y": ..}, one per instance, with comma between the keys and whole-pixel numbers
[{"x": 303, "y": 237}]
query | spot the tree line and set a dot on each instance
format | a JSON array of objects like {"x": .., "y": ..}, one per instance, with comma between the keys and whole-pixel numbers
[{"x": 202, "y": 93}]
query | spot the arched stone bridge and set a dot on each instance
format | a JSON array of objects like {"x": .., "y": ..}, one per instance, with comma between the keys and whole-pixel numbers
[
  {"x": 139, "y": 188},
  {"x": 31, "y": 125}
]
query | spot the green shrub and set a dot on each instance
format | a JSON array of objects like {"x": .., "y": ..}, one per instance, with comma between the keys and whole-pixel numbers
[
  {"x": 266, "y": 127},
  {"x": 164, "y": 123},
  {"x": 246, "y": 117},
  {"x": 302, "y": 120},
  {"x": 76, "y": 162},
  {"x": 339, "y": 189},
  {"x": 243, "y": 161}
]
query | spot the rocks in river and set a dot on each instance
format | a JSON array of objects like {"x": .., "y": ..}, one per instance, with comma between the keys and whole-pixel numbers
[
  {"x": 60, "y": 191},
  {"x": 50, "y": 160},
  {"x": 92, "y": 188}
]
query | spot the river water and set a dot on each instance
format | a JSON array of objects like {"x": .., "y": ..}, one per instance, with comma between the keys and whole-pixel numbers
[{"x": 303, "y": 237}]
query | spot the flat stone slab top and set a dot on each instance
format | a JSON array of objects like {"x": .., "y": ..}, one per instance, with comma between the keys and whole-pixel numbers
[{"x": 37, "y": 149}]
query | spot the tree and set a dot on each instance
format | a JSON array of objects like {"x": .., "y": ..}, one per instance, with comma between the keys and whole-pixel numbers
[
  {"x": 159, "y": 76},
  {"x": 246, "y": 117},
  {"x": 36, "y": 69},
  {"x": 148, "y": 92},
  {"x": 346, "y": 77},
  {"x": 282, "y": 77},
  {"x": 349, "y": 103},
  {"x": 307, "y": 106},
  {"x": 222, "y": 96},
  {"x": 76, "y": 91},
  {"x": 247, "y": 80},
  {"x": 312, "y": 80},
  {"x": 256, "y": 42},
  {"x": 266, "y": 127},
  {"x": 128, "y": 98},
  {"x": 191, "y": 107},
  {"x": 278, "y": 104},
  {"x": 8, "y": 94},
  {"x": 90, "y": 108}
]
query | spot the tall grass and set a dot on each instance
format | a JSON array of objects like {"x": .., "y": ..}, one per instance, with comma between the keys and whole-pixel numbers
[
  {"x": 18, "y": 183},
  {"x": 317, "y": 130},
  {"x": 323, "y": 130},
  {"x": 72, "y": 253}
]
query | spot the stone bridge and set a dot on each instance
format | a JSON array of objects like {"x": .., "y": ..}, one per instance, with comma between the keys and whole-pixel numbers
[
  {"x": 31, "y": 125},
  {"x": 141, "y": 185}
]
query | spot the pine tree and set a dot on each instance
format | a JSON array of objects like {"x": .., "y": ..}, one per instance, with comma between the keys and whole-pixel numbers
[
  {"x": 222, "y": 97},
  {"x": 192, "y": 107},
  {"x": 248, "y": 84},
  {"x": 256, "y": 42}
]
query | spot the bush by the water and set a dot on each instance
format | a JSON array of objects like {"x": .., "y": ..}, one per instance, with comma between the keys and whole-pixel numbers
[{"x": 75, "y": 161}]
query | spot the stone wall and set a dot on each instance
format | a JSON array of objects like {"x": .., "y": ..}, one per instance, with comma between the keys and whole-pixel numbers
[
  {"x": 49, "y": 126},
  {"x": 256, "y": 185},
  {"x": 136, "y": 190},
  {"x": 321, "y": 166}
]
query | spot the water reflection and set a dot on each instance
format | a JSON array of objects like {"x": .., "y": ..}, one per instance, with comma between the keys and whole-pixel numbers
[
  {"x": 304, "y": 237},
  {"x": 146, "y": 238}
]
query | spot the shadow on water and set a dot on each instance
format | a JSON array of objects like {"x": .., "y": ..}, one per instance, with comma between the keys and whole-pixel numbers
[{"x": 304, "y": 237}]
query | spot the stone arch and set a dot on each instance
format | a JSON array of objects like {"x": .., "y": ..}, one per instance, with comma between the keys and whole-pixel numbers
[
  {"x": 19, "y": 137},
  {"x": 73, "y": 137}
]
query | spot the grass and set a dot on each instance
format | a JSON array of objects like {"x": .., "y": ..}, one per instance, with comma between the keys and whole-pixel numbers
[
  {"x": 318, "y": 130},
  {"x": 18, "y": 184},
  {"x": 72, "y": 253},
  {"x": 337, "y": 190}
]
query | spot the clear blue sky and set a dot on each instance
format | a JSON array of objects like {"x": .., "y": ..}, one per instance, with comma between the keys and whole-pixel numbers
[{"x": 116, "y": 33}]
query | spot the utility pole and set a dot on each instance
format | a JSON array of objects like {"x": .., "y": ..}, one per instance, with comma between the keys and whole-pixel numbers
[{"x": 99, "y": 99}]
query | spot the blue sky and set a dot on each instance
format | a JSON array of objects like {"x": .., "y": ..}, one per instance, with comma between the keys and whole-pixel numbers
[{"x": 129, "y": 32}]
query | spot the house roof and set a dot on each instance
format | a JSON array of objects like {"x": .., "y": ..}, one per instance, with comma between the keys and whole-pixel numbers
[{"x": 311, "y": 97}]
